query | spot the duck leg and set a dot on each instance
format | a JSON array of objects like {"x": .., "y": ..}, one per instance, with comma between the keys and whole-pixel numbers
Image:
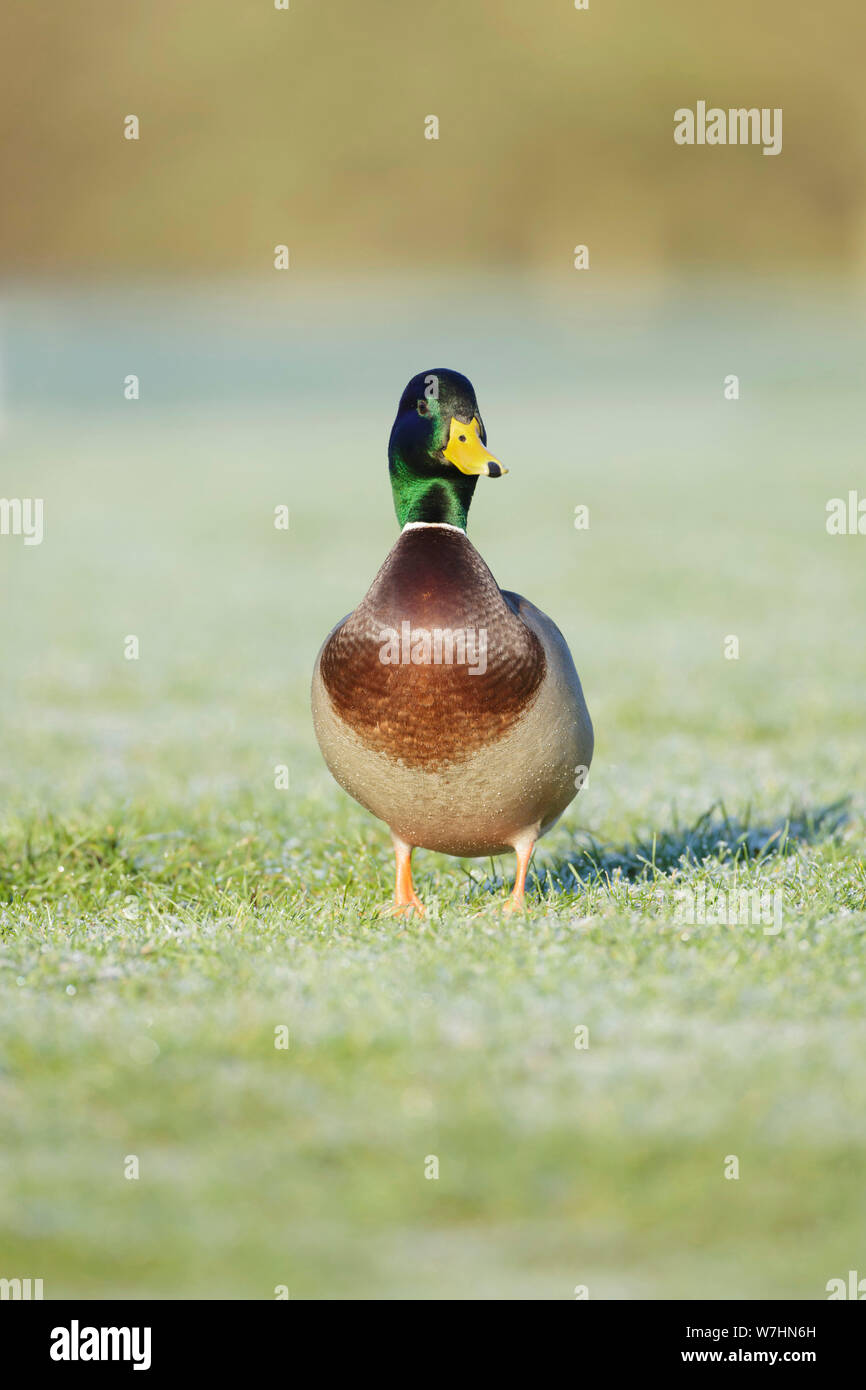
[
  {"x": 406, "y": 900},
  {"x": 523, "y": 848}
]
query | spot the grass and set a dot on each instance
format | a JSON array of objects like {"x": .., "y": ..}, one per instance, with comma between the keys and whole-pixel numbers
[{"x": 164, "y": 909}]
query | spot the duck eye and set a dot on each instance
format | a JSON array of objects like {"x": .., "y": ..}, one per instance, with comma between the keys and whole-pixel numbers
[{"x": 423, "y": 408}]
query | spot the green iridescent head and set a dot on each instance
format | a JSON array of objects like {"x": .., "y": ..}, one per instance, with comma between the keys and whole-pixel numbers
[{"x": 437, "y": 452}]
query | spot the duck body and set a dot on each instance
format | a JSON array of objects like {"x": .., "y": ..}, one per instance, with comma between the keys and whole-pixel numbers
[
  {"x": 464, "y": 757},
  {"x": 448, "y": 707}
]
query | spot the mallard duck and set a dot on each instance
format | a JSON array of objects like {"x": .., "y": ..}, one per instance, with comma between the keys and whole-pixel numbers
[{"x": 447, "y": 706}]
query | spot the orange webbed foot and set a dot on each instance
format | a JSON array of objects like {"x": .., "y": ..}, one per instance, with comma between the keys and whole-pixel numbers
[
  {"x": 523, "y": 849},
  {"x": 406, "y": 900}
]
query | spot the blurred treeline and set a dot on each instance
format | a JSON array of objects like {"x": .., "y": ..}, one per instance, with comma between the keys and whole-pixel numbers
[{"x": 261, "y": 126}]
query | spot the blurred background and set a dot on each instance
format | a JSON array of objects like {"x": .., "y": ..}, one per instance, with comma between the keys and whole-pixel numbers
[
  {"x": 603, "y": 387},
  {"x": 306, "y": 127},
  {"x": 142, "y": 976}
]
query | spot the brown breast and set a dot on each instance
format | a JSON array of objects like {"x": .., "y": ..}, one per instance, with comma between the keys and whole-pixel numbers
[{"x": 434, "y": 663}]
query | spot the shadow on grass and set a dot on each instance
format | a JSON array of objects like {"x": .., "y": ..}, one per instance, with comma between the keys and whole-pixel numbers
[{"x": 715, "y": 837}]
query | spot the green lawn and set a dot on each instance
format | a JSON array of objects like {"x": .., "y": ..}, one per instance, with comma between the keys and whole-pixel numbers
[{"x": 164, "y": 908}]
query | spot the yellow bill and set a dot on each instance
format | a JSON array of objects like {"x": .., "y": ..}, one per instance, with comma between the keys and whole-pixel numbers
[{"x": 465, "y": 450}]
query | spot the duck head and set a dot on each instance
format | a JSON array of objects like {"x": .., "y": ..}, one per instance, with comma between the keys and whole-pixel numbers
[{"x": 437, "y": 450}]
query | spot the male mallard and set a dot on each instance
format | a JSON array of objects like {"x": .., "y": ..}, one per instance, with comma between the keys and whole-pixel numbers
[{"x": 447, "y": 706}]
